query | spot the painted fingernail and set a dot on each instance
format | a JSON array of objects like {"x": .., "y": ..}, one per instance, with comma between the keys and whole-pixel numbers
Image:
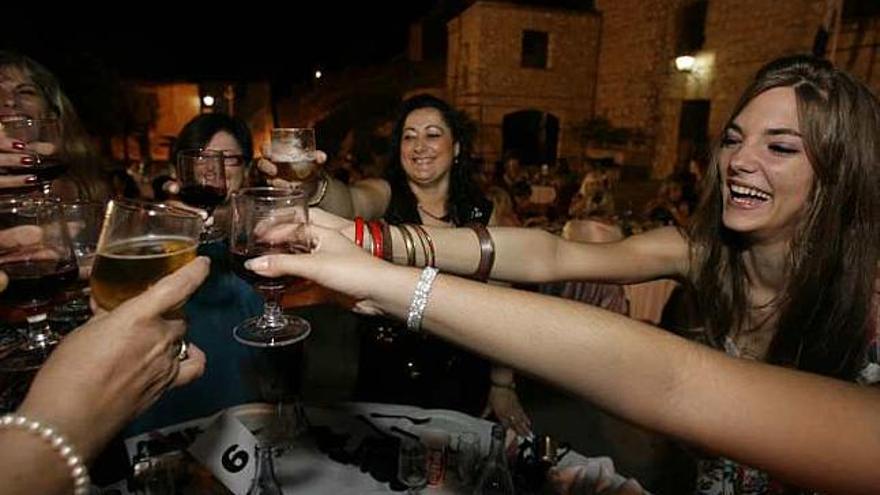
[
  {"x": 30, "y": 179},
  {"x": 18, "y": 145},
  {"x": 27, "y": 160}
]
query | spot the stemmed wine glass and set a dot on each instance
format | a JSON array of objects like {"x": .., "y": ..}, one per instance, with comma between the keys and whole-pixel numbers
[
  {"x": 412, "y": 469},
  {"x": 83, "y": 219},
  {"x": 43, "y": 136},
  {"x": 202, "y": 177},
  {"x": 37, "y": 256},
  {"x": 268, "y": 220}
]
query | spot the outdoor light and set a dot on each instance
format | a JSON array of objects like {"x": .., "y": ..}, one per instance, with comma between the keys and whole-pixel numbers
[
  {"x": 318, "y": 74},
  {"x": 208, "y": 100},
  {"x": 685, "y": 63}
]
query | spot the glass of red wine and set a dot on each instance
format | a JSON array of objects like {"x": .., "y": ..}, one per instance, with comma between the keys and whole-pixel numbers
[
  {"x": 43, "y": 138},
  {"x": 202, "y": 178},
  {"x": 37, "y": 257},
  {"x": 268, "y": 220}
]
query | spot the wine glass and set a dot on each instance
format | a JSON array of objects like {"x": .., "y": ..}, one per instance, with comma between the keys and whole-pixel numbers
[
  {"x": 38, "y": 258},
  {"x": 202, "y": 177},
  {"x": 83, "y": 219},
  {"x": 46, "y": 166},
  {"x": 412, "y": 469},
  {"x": 139, "y": 244},
  {"x": 293, "y": 151},
  {"x": 269, "y": 220}
]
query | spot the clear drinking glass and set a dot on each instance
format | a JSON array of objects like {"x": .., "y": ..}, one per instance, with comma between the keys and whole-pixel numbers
[
  {"x": 84, "y": 220},
  {"x": 268, "y": 220},
  {"x": 412, "y": 469},
  {"x": 37, "y": 257},
  {"x": 293, "y": 151},
  {"x": 43, "y": 137},
  {"x": 139, "y": 244},
  {"x": 202, "y": 178}
]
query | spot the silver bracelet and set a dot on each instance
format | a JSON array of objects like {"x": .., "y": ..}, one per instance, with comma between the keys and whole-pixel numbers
[
  {"x": 59, "y": 443},
  {"x": 420, "y": 299}
]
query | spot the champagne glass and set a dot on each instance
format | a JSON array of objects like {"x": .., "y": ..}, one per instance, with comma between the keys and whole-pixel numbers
[
  {"x": 139, "y": 244},
  {"x": 412, "y": 468},
  {"x": 83, "y": 219},
  {"x": 268, "y": 220},
  {"x": 294, "y": 153},
  {"x": 37, "y": 257},
  {"x": 37, "y": 133},
  {"x": 202, "y": 177}
]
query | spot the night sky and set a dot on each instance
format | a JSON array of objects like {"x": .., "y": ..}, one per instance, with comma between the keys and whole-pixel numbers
[{"x": 153, "y": 42}]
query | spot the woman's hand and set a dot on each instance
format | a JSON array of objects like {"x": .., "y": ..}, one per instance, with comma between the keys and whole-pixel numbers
[
  {"x": 335, "y": 262},
  {"x": 112, "y": 368},
  {"x": 16, "y": 157},
  {"x": 267, "y": 168},
  {"x": 595, "y": 477},
  {"x": 504, "y": 404}
]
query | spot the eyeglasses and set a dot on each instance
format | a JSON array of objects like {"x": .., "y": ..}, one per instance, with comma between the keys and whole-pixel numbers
[{"x": 233, "y": 160}]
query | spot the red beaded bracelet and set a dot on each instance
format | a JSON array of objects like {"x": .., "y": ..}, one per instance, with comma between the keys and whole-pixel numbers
[
  {"x": 359, "y": 231},
  {"x": 378, "y": 240}
]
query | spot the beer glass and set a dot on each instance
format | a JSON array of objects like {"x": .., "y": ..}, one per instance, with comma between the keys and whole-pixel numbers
[
  {"x": 139, "y": 244},
  {"x": 268, "y": 220},
  {"x": 37, "y": 257},
  {"x": 293, "y": 152}
]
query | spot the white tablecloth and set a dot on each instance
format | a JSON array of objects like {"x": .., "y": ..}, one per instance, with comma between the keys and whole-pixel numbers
[{"x": 304, "y": 469}]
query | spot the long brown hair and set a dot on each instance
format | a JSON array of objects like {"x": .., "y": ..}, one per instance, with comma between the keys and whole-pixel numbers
[
  {"x": 85, "y": 165},
  {"x": 824, "y": 322}
]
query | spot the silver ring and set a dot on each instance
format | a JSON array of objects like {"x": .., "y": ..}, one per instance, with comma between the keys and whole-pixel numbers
[{"x": 181, "y": 353}]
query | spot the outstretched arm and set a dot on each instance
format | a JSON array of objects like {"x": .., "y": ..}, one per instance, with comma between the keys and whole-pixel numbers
[
  {"x": 535, "y": 256},
  {"x": 758, "y": 414}
]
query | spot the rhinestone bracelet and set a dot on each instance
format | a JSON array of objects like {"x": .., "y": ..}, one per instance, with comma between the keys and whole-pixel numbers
[
  {"x": 420, "y": 299},
  {"x": 59, "y": 443}
]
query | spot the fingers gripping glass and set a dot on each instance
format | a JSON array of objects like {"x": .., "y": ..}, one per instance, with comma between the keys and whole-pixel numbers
[
  {"x": 43, "y": 138},
  {"x": 267, "y": 220}
]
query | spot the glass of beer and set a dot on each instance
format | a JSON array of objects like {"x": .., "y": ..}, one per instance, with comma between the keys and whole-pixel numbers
[
  {"x": 39, "y": 134},
  {"x": 293, "y": 152},
  {"x": 202, "y": 177},
  {"x": 269, "y": 220},
  {"x": 139, "y": 244},
  {"x": 38, "y": 259}
]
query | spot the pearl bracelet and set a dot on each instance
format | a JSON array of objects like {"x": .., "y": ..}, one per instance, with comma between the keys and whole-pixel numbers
[
  {"x": 420, "y": 299},
  {"x": 59, "y": 443}
]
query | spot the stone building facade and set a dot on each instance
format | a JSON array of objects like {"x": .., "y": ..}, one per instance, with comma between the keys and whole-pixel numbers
[
  {"x": 488, "y": 77},
  {"x": 639, "y": 86}
]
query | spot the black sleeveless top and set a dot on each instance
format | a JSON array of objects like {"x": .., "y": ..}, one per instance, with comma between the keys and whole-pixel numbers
[{"x": 398, "y": 366}]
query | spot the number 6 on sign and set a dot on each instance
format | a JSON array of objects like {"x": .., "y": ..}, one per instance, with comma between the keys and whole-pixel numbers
[{"x": 224, "y": 448}]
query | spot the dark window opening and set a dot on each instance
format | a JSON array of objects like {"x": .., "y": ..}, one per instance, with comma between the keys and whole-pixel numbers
[
  {"x": 691, "y": 28},
  {"x": 534, "y": 49}
]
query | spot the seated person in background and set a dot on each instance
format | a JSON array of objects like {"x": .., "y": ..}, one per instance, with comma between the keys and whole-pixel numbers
[
  {"x": 223, "y": 301},
  {"x": 669, "y": 206}
]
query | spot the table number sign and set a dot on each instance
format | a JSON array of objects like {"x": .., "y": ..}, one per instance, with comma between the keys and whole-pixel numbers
[{"x": 226, "y": 448}]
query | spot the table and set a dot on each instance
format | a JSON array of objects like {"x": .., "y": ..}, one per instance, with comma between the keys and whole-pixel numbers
[{"x": 306, "y": 469}]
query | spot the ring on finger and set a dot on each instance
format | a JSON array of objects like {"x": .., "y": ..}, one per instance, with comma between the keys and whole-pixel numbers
[{"x": 182, "y": 353}]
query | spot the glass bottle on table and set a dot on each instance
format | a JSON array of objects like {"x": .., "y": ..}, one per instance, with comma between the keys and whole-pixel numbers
[
  {"x": 264, "y": 482},
  {"x": 495, "y": 478}
]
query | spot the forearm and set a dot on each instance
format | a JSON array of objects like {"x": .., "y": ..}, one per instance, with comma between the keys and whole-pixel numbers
[
  {"x": 28, "y": 465},
  {"x": 758, "y": 414},
  {"x": 337, "y": 199}
]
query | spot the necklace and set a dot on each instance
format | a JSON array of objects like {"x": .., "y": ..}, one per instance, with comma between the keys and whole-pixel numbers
[{"x": 435, "y": 217}]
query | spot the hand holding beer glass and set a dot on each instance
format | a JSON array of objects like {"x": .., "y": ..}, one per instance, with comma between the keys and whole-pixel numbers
[
  {"x": 139, "y": 244},
  {"x": 268, "y": 220},
  {"x": 294, "y": 155}
]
